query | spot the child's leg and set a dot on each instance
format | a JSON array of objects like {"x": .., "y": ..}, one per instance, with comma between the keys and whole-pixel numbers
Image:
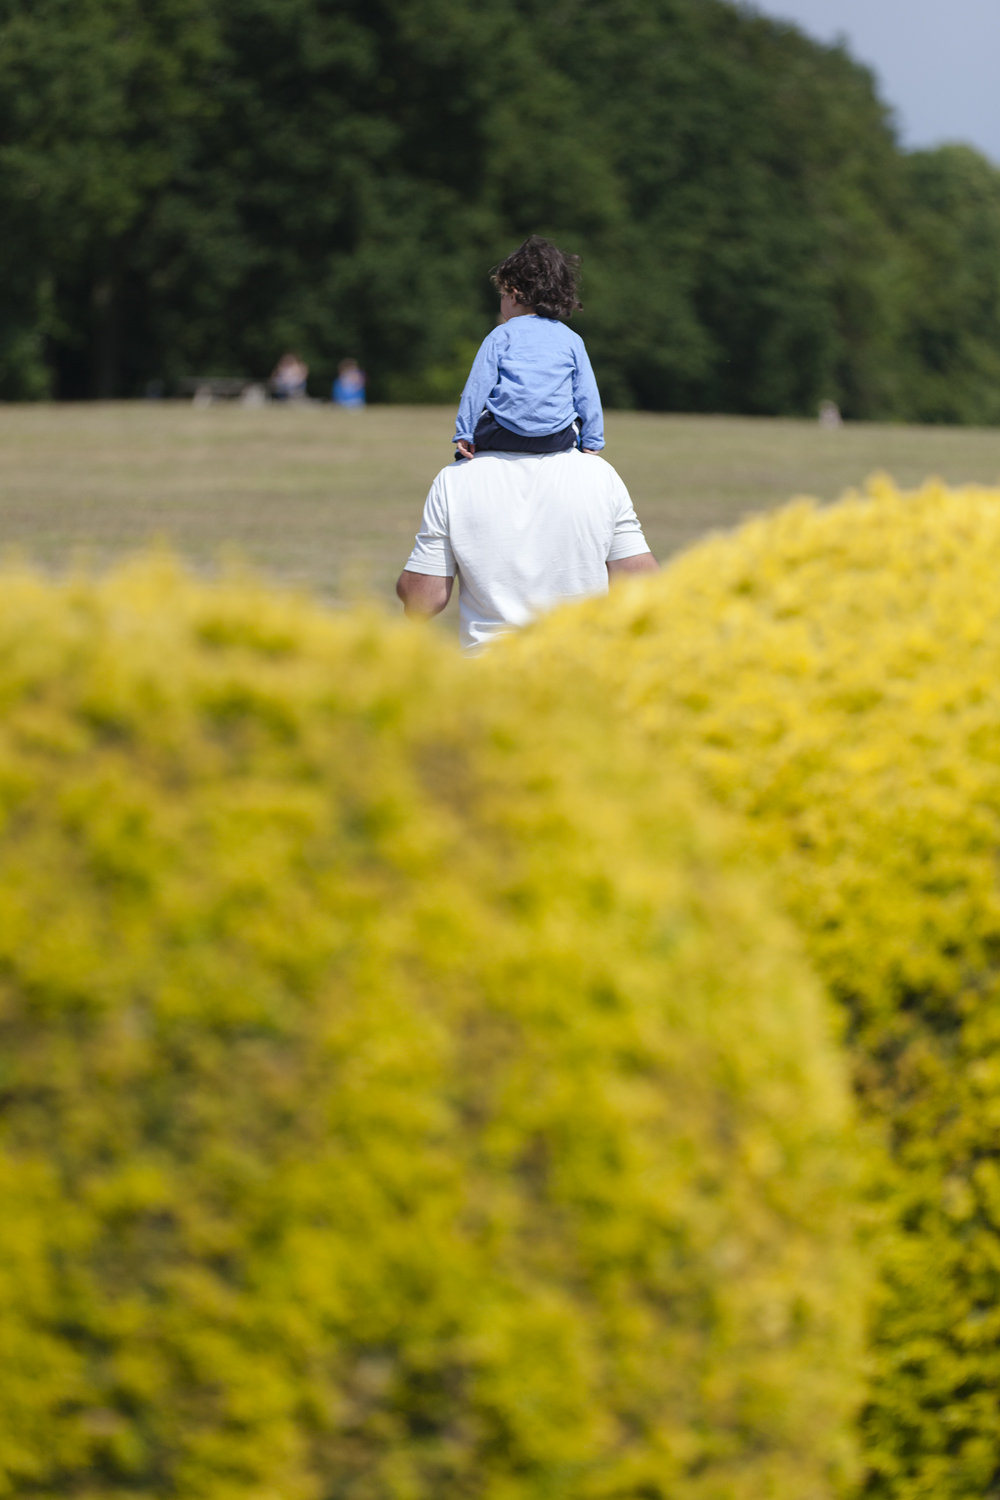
[{"x": 491, "y": 435}]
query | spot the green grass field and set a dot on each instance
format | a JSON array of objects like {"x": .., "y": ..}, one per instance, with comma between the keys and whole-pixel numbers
[{"x": 331, "y": 499}]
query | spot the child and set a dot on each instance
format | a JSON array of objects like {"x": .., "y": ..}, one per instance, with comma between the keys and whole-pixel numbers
[{"x": 531, "y": 379}]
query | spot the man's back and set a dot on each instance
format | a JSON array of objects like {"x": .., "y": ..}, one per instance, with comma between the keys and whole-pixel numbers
[{"x": 523, "y": 533}]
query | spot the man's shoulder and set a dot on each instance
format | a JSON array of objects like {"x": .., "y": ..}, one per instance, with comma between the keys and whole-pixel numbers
[
  {"x": 589, "y": 470},
  {"x": 575, "y": 475},
  {"x": 443, "y": 482},
  {"x": 596, "y": 470}
]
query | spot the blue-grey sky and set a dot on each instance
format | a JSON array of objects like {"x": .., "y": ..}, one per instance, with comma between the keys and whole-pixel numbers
[{"x": 937, "y": 61}]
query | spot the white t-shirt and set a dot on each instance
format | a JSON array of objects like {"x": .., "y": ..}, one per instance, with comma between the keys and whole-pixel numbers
[{"x": 524, "y": 532}]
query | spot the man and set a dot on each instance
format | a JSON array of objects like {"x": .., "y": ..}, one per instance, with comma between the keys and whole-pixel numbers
[{"x": 524, "y": 532}]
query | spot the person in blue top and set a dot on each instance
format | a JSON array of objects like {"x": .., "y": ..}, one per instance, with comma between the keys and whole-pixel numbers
[
  {"x": 349, "y": 386},
  {"x": 531, "y": 381}
]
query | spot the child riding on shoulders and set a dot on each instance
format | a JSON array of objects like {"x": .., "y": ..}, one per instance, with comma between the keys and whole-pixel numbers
[{"x": 531, "y": 388}]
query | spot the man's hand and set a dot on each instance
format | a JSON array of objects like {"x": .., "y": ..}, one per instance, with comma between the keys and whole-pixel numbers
[
  {"x": 643, "y": 562},
  {"x": 423, "y": 594},
  {"x": 594, "y": 451},
  {"x": 466, "y": 448}
]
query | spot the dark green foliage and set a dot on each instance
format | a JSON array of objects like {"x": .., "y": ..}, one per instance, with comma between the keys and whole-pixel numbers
[
  {"x": 102, "y": 108},
  {"x": 190, "y": 186},
  {"x": 748, "y": 156},
  {"x": 952, "y": 328}
]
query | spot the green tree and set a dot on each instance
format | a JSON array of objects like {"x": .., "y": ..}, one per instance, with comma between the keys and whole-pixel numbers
[
  {"x": 193, "y": 185},
  {"x": 950, "y": 338},
  {"x": 755, "y": 166},
  {"x": 102, "y": 104}
]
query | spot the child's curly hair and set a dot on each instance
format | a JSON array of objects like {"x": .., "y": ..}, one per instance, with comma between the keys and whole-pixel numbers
[{"x": 541, "y": 276}]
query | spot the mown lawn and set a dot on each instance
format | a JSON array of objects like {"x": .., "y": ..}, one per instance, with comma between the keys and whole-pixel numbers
[{"x": 331, "y": 499}]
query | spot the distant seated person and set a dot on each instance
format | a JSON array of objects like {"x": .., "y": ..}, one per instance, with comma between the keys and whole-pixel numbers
[
  {"x": 349, "y": 386},
  {"x": 288, "y": 378}
]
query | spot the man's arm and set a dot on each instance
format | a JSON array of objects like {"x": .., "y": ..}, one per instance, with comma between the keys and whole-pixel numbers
[
  {"x": 642, "y": 562},
  {"x": 423, "y": 594}
]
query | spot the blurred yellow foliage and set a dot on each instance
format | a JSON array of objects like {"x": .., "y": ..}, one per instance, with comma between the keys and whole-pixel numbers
[
  {"x": 834, "y": 674},
  {"x": 408, "y": 1089}
]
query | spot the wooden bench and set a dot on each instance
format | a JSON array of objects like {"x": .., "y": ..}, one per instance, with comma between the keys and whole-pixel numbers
[{"x": 204, "y": 389}]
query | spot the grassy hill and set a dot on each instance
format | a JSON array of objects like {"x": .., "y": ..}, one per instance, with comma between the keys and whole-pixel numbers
[{"x": 332, "y": 499}]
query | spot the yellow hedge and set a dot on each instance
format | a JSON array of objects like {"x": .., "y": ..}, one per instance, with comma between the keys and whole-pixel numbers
[
  {"x": 835, "y": 675},
  {"x": 407, "y": 1091}
]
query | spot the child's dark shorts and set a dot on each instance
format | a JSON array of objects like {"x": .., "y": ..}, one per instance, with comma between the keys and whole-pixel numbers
[{"x": 489, "y": 436}]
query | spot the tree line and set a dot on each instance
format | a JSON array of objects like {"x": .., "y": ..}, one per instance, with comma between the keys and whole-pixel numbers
[{"x": 190, "y": 186}]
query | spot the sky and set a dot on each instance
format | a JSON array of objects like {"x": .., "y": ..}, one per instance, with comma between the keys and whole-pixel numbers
[{"x": 937, "y": 61}]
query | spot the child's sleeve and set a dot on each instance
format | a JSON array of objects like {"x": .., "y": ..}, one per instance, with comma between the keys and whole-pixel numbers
[
  {"x": 482, "y": 379},
  {"x": 587, "y": 400}
]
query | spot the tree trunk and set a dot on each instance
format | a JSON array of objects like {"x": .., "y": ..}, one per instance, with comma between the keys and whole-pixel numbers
[{"x": 107, "y": 339}]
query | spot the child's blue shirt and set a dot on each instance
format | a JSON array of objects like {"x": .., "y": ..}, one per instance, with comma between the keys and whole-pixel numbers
[{"x": 534, "y": 375}]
